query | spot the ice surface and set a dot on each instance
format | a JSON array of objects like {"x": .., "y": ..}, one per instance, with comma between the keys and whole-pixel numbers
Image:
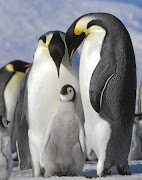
[{"x": 89, "y": 170}]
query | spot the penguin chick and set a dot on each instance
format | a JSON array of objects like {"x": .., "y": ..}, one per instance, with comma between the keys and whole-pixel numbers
[
  {"x": 5, "y": 152},
  {"x": 135, "y": 150},
  {"x": 64, "y": 144}
]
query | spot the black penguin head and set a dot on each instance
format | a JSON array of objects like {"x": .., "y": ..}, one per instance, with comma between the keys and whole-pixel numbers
[
  {"x": 67, "y": 93},
  {"x": 18, "y": 65},
  {"x": 73, "y": 38},
  {"x": 79, "y": 30},
  {"x": 4, "y": 122},
  {"x": 56, "y": 46}
]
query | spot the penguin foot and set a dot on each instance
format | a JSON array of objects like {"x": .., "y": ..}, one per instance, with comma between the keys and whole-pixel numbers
[
  {"x": 124, "y": 170},
  {"x": 91, "y": 176},
  {"x": 106, "y": 172}
]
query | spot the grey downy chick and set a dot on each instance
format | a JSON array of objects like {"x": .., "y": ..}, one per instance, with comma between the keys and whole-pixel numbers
[
  {"x": 5, "y": 151},
  {"x": 64, "y": 144}
]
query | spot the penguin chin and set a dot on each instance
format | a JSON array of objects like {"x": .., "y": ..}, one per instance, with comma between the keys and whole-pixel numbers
[{"x": 66, "y": 98}]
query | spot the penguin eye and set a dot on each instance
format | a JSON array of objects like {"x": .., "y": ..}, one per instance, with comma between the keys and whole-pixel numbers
[{"x": 69, "y": 90}]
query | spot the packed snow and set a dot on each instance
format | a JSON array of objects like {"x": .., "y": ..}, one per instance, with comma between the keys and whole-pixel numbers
[{"x": 89, "y": 171}]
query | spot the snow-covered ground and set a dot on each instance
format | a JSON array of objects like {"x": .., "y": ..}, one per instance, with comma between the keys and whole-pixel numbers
[{"x": 89, "y": 170}]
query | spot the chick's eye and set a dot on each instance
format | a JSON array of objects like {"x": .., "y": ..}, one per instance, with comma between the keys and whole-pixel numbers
[{"x": 69, "y": 90}]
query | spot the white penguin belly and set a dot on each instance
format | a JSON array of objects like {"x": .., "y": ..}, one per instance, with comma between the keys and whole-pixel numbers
[
  {"x": 43, "y": 95},
  {"x": 97, "y": 129},
  {"x": 70, "y": 75},
  {"x": 11, "y": 93}
]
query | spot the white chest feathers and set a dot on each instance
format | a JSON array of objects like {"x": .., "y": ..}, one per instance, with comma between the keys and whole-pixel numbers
[{"x": 11, "y": 93}]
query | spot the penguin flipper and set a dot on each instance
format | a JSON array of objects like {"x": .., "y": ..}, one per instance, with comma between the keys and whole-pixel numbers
[
  {"x": 21, "y": 126},
  {"x": 99, "y": 80},
  {"x": 81, "y": 136},
  {"x": 47, "y": 134}
]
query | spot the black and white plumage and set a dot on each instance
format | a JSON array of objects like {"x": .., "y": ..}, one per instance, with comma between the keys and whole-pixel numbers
[
  {"x": 5, "y": 151},
  {"x": 11, "y": 76},
  {"x": 21, "y": 127},
  {"x": 64, "y": 143},
  {"x": 50, "y": 71},
  {"x": 108, "y": 86}
]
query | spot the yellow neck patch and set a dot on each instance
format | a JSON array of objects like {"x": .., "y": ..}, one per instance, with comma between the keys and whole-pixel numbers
[{"x": 10, "y": 67}]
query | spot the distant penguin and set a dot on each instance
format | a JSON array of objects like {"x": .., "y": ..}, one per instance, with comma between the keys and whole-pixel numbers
[
  {"x": 135, "y": 150},
  {"x": 64, "y": 143},
  {"x": 5, "y": 151},
  {"x": 50, "y": 71},
  {"x": 11, "y": 76},
  {"x": 108, "y": 87},
  {"x": 21, "y": 127}
]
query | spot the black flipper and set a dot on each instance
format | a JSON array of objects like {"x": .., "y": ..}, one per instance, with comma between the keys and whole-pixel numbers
[
  {"x": 21, "y": 126},
  {"x": 100, "y": 78}
]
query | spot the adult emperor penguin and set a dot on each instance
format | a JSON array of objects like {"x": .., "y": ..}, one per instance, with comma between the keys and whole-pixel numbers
[
  {"x": 21, "y": 127},
  {"x": 11, "y": 76},
  {"x": 50, "y": 71},
  {"x": 5, "y": 151},
  {"x": 108, "y": 86},
  {"x": 64, "y": 143}
]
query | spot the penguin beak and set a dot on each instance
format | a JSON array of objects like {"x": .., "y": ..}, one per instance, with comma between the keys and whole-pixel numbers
[
  {"x": 8, "y": 122},
  {"x": 57, "y": 63},
  {"x": 71, "y": 55},
  {"x": 28, "y": 65}
]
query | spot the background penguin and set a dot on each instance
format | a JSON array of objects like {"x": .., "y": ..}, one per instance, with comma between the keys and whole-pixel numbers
[
  {"x": 21, "y": 127},
  {"x": 11, "y": 77},
  {"x": 64, "y": 143},
  {"x": 108, "y": 87},
  {"x": 50, "y": 71},
  {"x": 5, "y": 151},
  {"x": 135, "y": 150}
]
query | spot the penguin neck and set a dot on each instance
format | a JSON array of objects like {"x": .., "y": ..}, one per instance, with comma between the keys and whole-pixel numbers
[{"x": 66, "y": 106}]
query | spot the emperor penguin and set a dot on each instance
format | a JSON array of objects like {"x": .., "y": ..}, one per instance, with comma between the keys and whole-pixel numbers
[
  {"x": 50, "y": 71},
  {"x": 135, "y": 150},
  {"x": 5, "y": 151},
  {"x": 11, "y": 76},
  {"x": 64, "y": 143},
  {"x": 21, "y": 127},
  {"x": 108, "y": 86}
]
